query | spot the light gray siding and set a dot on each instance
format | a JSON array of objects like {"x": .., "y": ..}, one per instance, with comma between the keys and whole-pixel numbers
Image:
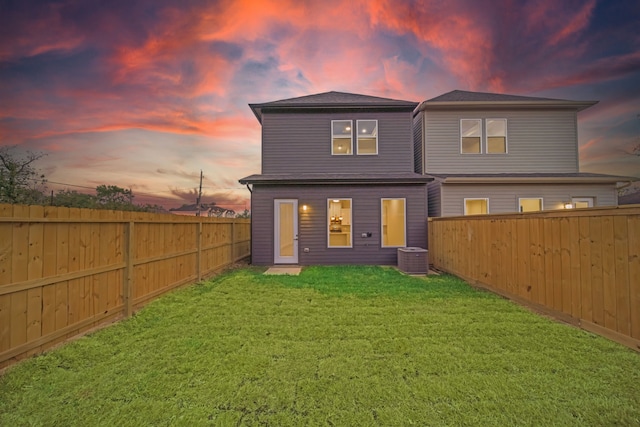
[
  {"x": 418, "y": 160},
  {"x": 538, "y": 141},
  {"x": 301, "y": 143},
  {"x": 504, "y": 197},
  {"x": 312, "y": 229}
]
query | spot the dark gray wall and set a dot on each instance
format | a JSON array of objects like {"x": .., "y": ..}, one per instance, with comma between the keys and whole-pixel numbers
[
  {"x": 312, "y": 230},
  {"x": 301, "y": 142},
  {"x": 418, "y": 160}
]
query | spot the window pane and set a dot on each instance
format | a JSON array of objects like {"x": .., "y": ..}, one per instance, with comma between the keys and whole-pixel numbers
[
  {"x": 341, "y": 137},
  {"x": 530, "y": 205},
  {"x": 393, "y": 222},
  {"x": 367, "y": 136},
  {"x": 286, "y": 229},
  {"x": 339, "y": 223},
  {"x": 475, "y": 206},
  {"x": 496, "y": 136},
  {"x": 470, "y": 134}
]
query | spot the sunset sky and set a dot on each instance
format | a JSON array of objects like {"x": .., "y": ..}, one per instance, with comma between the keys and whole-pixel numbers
[{"x": 144, "y": 94}]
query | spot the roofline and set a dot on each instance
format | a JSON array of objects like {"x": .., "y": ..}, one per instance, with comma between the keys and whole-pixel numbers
[
  {"x": 257, "y": 108},
  {"x": 455, "y": 105},
  {"x": 534, "y": 180},
  {"x": 422, "y": 180}
]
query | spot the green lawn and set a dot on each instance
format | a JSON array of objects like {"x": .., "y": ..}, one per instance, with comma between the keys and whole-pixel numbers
[{"x": 336, "y": 346}]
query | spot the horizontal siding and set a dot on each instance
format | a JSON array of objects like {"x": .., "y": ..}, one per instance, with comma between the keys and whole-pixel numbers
[
  {"x": 301, "y": 143},
  {"x": 538, "y": 141},
  {"x": 434, "y": 198},
  {"x": 312, "y": 228},
  {"x": 417, "y": 144},
  {"x": 504, "y": 198}
]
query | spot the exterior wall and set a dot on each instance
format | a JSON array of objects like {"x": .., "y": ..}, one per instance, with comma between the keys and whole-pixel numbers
[
  {"x": 543, "y": 141},
  {"x": 418, "y": 160},
  {"x": 504, "y": 197},
  {"x": 301, "y": 143},
  {"x": 434, "y": 189},
  {"x": 312, "y": 224}
]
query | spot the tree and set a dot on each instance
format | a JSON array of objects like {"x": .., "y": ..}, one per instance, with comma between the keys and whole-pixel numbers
[
  {"x": 73, "y": 199},
  {"x": 20, "y": 182},
  {"x": 245, "y": 214},
  {"x": 114, "y": 197}
]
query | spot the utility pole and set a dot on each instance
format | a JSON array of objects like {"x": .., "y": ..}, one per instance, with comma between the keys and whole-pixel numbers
[{"x": 198, "y": 205}]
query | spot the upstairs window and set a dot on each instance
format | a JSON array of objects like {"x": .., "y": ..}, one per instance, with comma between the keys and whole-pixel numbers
[
  {"x": 496, "y": 136},
  {"x": 470, "y": 136},
  {"x": 367, "y": 136},
  {"x": 341, "y": 137}
]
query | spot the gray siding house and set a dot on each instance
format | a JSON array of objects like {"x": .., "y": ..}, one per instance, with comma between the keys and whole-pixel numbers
[
  {"x": 337, "y": 184},
  {"x": 494, "y": 153}
]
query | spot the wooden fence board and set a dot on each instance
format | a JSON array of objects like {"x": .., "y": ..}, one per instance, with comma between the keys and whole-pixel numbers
[
  {"x": 565, "y": 265},
  {"x": 36, "y": 253},
  {"x": 621, "y": 249},
  {"x": 608, "y": 274},
  {"x": 585, "y": 269},
  {"x": 597, "y": 290},
  {"x": 634, "y": 274}
]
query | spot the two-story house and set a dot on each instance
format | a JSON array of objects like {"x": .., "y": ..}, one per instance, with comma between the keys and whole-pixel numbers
[
  {"x": 337, "y": 184},
  {"x": 494, "y": 153}
]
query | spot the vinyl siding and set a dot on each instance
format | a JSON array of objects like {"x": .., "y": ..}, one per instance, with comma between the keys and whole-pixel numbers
[
  {"x": 434, "y": 198},
  {"x": 312, "y": 226},
  {"x": 504, "y": 198},
  {"x": 301, "y": 143},
  {"x": 537, "y": 141},
  {"x": 417, "y": 144}
]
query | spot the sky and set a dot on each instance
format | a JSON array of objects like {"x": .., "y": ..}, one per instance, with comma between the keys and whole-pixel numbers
[{"x": 144, "y": 94}]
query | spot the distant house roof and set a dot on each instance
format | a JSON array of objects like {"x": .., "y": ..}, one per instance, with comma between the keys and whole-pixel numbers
[
  {"x": 464, "y": 99},
  {"x": 333, "y": 100},
  {"x": 523, "y": 178},
  {"x": 629, "y": 199},
  {"x": 337, "y": 178}
]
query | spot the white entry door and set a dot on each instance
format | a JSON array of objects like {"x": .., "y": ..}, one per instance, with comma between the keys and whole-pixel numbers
[{"x": 285, "y": 239}]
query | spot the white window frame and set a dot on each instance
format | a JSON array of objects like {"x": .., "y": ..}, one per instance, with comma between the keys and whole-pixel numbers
[
  {"x": 486, "y": 136},
  {"x": 342, "y": 137},
  {"x": 475, "y": 198},
  {"x": 404, "y": 201},
  {"x": 530, "y": 198},
  {"x": 328, "y": 223},
  {"x": 588, "y": 199},
  {"x": 481, "y": 131},
  {"x": 358, "y": 137}
]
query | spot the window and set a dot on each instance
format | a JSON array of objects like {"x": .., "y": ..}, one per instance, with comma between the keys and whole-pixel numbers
[
  {"x": 530, "y": 204},
  {"x": 582, "y": 202},
  {"x": 496, "y": 136},
  {"x": 470, "y": 136},
  {"x": 476, "y": 206},
  {"x": 394, "y": 221},
  {"x": 339, "y": 223},
  {"x": 367, "y": 139},
  {"x": 341, "y": 137}
]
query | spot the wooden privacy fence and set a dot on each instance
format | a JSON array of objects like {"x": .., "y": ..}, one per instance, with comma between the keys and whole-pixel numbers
[
  {"x": 582, "y": 266},
  {"x": 65, "y": 270}
]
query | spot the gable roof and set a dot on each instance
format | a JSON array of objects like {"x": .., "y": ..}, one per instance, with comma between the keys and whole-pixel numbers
[
  {"x": 464, "y": 99},
  {"x": 333, "y": 100}
]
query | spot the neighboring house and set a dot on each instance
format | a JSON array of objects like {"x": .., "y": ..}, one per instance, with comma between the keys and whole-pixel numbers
[
  {"x": 338, "y": 184},
  {"x": 630, "y": 199},
  {"x": 208, "y": 210},
  {"x": 493, "y": 153}
]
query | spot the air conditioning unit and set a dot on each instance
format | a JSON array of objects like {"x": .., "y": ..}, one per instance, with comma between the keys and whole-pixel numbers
[{"x": 413, "y": 260}]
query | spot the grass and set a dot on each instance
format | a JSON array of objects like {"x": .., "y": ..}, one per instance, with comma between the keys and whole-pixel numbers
[{"x": 343, "y": 346}]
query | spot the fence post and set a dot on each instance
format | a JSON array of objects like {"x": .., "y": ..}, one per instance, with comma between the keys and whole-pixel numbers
[
  {"x": 233, "y": 241},
  {"x": 199, "y": 255},
  {"x": 128, "y": 270}
]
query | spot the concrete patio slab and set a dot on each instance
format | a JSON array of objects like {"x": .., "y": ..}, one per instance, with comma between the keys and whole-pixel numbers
[{"x": 290, "y": 270}]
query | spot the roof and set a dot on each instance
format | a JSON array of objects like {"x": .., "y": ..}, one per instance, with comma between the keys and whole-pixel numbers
[
  {"x": 524, "y": 178},
  {"x": 464, "y": 99},
  {"x": 337, "y": 178},
  {"x": 333, "y": 100}
]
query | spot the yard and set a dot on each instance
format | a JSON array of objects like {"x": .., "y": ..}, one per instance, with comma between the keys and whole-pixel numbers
[{"x": 341, "y": 346}]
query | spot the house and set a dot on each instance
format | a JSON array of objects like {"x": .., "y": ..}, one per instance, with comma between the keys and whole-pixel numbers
[
  {"x": 493, "y": 153},
  {"x": 337, "y": 184}
]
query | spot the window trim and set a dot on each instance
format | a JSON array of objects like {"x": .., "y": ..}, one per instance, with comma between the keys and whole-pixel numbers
[
  {"x": 481, "y": 130},
  {"x": 358, "y": 137},
  {"x": 530, "y": 198},
  {"x": 328, "y": 223},
  {"x": 486, "y": 136},
  {"x": 342, "y": 137},
  {"x": 404, "y": 200},
  {"x": 475, "y": 198}
]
